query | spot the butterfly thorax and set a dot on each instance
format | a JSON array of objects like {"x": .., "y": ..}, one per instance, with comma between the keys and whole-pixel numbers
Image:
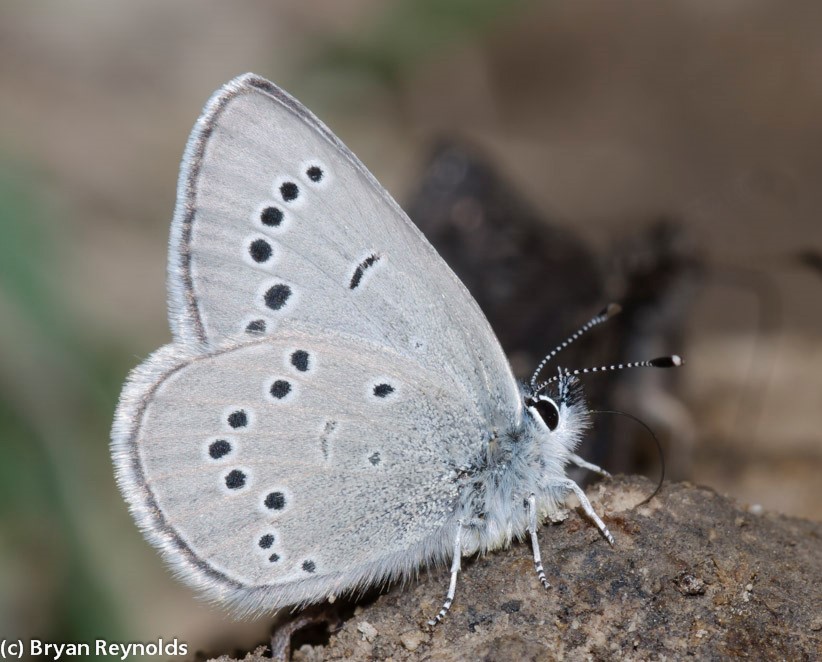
[{"x": 527, "y": 459}]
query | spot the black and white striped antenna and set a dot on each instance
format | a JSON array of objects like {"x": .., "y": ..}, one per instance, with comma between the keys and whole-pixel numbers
[
  {"x": 607, "y": 313},
  {"x": 672, "y": 361}
]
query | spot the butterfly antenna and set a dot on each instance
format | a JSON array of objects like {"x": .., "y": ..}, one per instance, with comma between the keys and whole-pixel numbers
[
  {"x": 656, "y": 441},
  {"x": 607, "y": 313},
  {"x": 673, "y": 361}
]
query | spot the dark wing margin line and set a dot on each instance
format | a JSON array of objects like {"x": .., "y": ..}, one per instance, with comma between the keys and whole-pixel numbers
[{"x": 130, "y": 473}]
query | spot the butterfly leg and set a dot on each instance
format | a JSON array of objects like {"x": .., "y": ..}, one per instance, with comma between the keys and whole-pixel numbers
[
  {"x": 532, "y": 529},
  {"x": 588, "y": 508},
  {"x": 576, "y": 460},
  {"x": 452, "y": 587}
]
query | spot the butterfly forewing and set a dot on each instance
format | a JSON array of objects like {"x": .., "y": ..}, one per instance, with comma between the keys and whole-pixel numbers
[{"x": 277, "y": 223}]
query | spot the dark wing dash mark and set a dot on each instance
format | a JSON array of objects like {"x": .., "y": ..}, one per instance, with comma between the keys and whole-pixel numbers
[
  {"x": 360, "y": 270},
  {"x": 330, "y": 426}
]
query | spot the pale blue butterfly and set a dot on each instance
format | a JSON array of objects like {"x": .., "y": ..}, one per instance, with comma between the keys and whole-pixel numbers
[{"x": 335, "y": 410}]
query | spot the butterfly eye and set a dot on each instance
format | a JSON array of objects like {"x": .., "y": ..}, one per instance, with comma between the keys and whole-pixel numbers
[{"x": 546, "y": 409}]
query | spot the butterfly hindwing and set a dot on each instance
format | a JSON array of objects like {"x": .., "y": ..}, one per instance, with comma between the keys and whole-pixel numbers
[
  {"x": 275, "y": 470},
  {"x": 278, "y": 224}
]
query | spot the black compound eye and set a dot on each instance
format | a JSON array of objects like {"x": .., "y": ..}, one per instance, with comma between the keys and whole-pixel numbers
[{"x": 547, "y": 410}]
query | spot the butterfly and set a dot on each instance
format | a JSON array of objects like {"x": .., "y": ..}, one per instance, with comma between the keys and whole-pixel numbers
[{"x": 334, "y": 410}]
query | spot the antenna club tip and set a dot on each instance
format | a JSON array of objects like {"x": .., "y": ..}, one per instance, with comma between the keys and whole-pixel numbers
[
  {"x": 673, "y": 361},
  {"x": 612, "y": 309}
]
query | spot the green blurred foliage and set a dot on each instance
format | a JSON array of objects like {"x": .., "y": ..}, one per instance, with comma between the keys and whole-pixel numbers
[{"x": 57, "y": 399}]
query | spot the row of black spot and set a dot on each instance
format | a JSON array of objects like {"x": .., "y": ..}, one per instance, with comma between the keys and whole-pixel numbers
[
  {"x": 261, "y": 250},
  {"x": 300, "y": 359},
  {"x": 272, "y": 217},
  {"x": 267, "y": 541},
  {"x": 236, "y": 478},
  {"x": 282, "y": 387}
]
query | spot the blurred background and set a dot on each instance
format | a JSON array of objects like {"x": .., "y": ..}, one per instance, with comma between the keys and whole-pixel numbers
[{"x": 665, "y": 155}]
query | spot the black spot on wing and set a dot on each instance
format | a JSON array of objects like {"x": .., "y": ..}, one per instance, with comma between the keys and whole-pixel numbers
[
  {"x": 275, "y": 501},
  {"x": 255, "y": 326},
  {"x": 238, "y": 419},
  {"x": 315, "y": 173},
  {"x": 367, "y": 263},
  {"x": 299, "y": 360},
  {"x": 260, "y": 251},
  {"x": 280, "y": 388},
  {"x": 271, "y": 217},
  {"x": 290, "y": 191},
  {"x": 219, "y": 448},
  {"x": 383, "y": 390},
  {"x": 276, "y": 296},
  {"x": 235, "y": 479}
]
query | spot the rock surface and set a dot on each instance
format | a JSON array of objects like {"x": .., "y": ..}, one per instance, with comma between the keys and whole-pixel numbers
[{"x": 692, "y": 574}]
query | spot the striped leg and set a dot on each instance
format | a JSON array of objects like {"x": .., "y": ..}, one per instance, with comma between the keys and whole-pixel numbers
[
  {"x": 589, "y": 510},
  {"x": 584, "y": 464},
  {"x": 452, "y": 587},
  {"x": 532, "y": 529}
]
